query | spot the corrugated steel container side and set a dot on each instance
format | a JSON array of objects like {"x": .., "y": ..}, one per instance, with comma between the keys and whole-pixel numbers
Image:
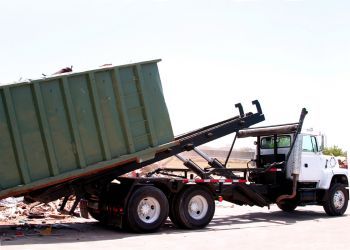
[{"x": 68, "y": 125}]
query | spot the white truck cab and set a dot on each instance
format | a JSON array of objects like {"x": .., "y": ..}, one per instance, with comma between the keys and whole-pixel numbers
[
  {"x": 307, "y": 157},
  {"x": 320, "y": 178},
  {"x": 290, "y": 169},
  {"x": 317, "y": 167}
]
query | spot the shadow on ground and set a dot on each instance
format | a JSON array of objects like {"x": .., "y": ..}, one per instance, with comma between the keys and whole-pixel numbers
[{"x": 93, "y": 231}]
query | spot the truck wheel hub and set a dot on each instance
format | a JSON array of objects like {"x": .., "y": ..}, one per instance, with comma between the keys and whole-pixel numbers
[
  {"x": 148, "y": 210},
  {"x": 198, "y": 207},
  {"x": 145, "y": 209},
  {"x": 339, "y": 199}
]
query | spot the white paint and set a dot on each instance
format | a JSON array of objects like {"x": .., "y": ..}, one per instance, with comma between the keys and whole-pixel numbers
[{"x": 312, "y": 166}]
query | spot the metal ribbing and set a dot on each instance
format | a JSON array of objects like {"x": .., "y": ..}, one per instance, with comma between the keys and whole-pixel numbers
[
  {"x": 45, "y": 130},
  {"x": 99, "y": 117},
  {"x": 119, "y": 96},
  {"x": 16, "y": 137},
  {"x": 73, "y": 123},
  {"x": 146, "y": 105}
]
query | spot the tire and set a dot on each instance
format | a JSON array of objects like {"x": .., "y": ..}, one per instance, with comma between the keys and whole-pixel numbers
[
  {"x": 194, "y": 208},
  {"x": 336, "y": 200},
  {"x": 172, "y": 215},
  {"x": 147, "y": 210},
  {"x": 288, "y": 206},
  {"x": 96, "y": 215}
]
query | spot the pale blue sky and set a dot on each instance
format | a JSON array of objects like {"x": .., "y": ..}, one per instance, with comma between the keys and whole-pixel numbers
[{"x": 287, "y": 54}]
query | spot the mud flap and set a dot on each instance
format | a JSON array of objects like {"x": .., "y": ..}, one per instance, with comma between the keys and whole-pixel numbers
[{"x": 83, "y": 209}]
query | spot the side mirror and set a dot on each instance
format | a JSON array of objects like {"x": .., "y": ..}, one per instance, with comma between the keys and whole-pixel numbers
[{"x": 323, "y": 143}]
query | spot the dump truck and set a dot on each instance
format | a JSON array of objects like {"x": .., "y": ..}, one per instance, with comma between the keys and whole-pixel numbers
[{"x": 80, "y": 133}]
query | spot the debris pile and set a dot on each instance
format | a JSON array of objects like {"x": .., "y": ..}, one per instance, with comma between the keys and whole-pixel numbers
[
  {"x": 17, "y": 211},
  {"x": 8, "y": 208},
  {"x": 20, "y": 219},
  {"x": 29, "y": 230}
]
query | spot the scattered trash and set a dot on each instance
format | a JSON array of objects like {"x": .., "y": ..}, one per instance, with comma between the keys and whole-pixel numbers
[
  {"x": 10, "y": 202},
  {"x": 8, "y": 207},
  {"x": 7, "y": 239},
  {"x": 19, "y": 210},
  {"x": 46, "y": 232},
  {"x": 22, "y": 222},
  {"x": 60, "y": 226},
  {"x": 64, "y": 70},
  {"x": 22, "y": 218},
  {"x": 58, "y": 216},
  {"x": 19, "y": 234},
  {"x": 65, "y": 226},
  {"x": 36, "y": 215}
]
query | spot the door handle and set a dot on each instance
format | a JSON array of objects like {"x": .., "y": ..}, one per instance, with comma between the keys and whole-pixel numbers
[{"x": 306, "y": 165}]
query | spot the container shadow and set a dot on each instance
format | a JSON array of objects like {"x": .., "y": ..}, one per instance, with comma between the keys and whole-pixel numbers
[{"x": 93, "y": 231}]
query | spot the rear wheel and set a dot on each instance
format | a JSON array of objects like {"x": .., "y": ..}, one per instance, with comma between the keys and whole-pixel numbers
[
  {"x": 194, "y": 208},
  {"x": 336, "y": 200},
  {"x": 93, "y": 208},
  {"x": 147, "y": 209},
  {"x": 172, "y": 214},
  {"x": 104, "y": 212},
  {"x": 95, "y": 214}
]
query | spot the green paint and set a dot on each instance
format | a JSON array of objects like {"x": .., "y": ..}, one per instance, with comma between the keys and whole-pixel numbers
[{"x": 67, "y": 125}]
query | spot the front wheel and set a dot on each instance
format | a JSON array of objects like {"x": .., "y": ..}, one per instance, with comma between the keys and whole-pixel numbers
[{"x": 336, "y": 200}]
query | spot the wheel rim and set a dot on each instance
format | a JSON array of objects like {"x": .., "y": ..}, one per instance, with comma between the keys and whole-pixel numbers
[
  {"x": 198, "y": 207},
  {"x": 148, "y": 210},
  {"x": 339, "y": 199}
]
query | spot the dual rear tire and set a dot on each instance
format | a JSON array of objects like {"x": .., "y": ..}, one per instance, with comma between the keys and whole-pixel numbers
[
  {"x": 147, "y": 210},
  {"x": 193, "y": 208},
  {"x": 148, "y": 207}
]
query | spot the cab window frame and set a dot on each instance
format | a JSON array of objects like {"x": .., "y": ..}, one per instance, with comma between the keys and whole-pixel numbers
[
  {"x": 278, "y": 138},
  {"x": 310, "y": 144}
]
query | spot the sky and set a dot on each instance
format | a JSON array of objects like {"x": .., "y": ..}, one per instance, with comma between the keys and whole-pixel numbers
[{"x": 288, "y": 54}]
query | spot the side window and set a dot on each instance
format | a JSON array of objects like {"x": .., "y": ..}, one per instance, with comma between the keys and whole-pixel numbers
[
  {"x": 267, "y": 143},
  {"x": 283, "y": 141},
  {"x": 307, "y": 144}
]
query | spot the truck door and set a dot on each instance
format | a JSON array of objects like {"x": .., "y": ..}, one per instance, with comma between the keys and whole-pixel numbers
[{"x": 312, "y": 163}]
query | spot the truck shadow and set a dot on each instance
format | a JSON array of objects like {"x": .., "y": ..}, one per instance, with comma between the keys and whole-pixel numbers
[
  {"x": 93, "y": 231},
  {"x": 267, "y": 219}
]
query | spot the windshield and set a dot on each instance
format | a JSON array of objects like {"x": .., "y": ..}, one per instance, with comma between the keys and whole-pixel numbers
[{"x": 283, "y": 141}]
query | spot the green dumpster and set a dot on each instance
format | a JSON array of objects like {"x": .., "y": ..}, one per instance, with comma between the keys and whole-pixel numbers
[{"x": 74, "y": 124}]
